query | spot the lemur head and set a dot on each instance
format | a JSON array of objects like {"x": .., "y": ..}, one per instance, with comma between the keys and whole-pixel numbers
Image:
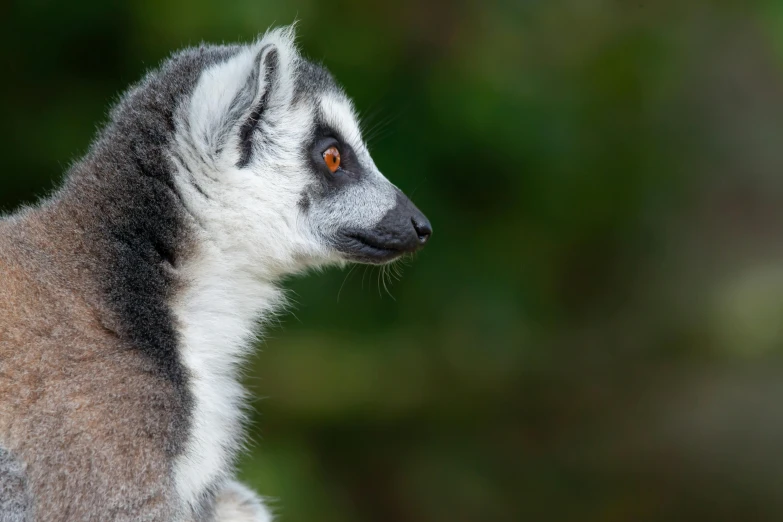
[{"x": 270, "y": 158}]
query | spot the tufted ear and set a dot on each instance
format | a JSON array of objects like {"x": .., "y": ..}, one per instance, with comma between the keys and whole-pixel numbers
[
  {"x": 233, "y": 97},
  {"x": 254, "y": 98}
]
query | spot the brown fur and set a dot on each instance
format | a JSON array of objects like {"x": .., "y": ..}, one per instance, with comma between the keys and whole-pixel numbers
[{"x": 74, "y": 402}]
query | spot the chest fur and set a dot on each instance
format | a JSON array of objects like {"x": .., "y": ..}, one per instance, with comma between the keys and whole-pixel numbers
[{"x": 216, "y": 314}]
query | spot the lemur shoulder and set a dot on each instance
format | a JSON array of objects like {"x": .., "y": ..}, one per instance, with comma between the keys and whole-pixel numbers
[{"x": 130, "y": 296}]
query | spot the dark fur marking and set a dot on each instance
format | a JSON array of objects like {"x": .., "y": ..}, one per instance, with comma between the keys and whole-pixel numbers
[
  {"x": 304, "y": 202},
  {"x": 135, "y": 218},
  {"x": 270, "y": 66},
  {"x": 205, "y": 505},
  {"x": 311, "y": 79},
  {"x": 199, "y": 189}
]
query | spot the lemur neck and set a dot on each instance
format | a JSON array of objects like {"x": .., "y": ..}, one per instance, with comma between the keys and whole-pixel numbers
[
  {"x": 164, "y": 267},
  {"x": 220, "y": 303},
  {"x": 181, "y": 298},
  {"x": 217, "y": 312}
]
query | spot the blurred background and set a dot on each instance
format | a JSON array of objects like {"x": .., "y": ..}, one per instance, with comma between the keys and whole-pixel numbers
[{"x": 594, "y": 333}]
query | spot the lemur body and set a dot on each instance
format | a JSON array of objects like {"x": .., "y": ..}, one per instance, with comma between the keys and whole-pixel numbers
[{"x": 128, "y": 299}]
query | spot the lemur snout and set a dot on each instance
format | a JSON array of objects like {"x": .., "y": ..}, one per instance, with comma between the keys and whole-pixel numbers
[
  {"x": 422, "y": 227},
  {"x": 403, "y": 230},
  {"x": 396, "y": 224}
]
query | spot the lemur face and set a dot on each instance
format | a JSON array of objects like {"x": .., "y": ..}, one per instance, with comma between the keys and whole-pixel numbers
[{"x": 270, "y": 155}]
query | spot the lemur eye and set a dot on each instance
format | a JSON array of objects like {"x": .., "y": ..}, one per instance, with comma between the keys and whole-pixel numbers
[{"x": 332, "y": 159}]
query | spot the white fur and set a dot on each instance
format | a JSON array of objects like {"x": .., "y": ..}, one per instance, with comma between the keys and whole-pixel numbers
[
  {"x": 249, "y": 232},
  {"x": 237, "y": 503},
  {"x": 216, "y": 316}
]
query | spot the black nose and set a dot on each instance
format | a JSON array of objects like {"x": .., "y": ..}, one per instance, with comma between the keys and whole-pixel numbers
[{"x": 423, "y": 228}]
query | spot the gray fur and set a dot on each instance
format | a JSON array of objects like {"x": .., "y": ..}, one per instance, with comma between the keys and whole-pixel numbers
[
  {"x": 15, "y": 503},
  {"x": 312, "y": 78}
]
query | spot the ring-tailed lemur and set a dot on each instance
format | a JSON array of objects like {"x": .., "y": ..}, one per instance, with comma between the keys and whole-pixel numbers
[{"x": 128, "y": 298}]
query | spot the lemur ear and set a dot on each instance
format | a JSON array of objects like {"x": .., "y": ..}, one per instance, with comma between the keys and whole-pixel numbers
[{"x": 260, "y": 85}]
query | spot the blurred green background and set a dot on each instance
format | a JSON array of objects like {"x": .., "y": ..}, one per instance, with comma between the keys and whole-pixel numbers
[{"x": 595, "y": 332}]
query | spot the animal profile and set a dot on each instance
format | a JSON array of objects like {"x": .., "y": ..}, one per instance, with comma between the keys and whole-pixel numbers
[{"x": 129, "y": 297}]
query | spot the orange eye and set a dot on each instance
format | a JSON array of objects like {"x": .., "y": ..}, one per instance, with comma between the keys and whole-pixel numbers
[{"x": 332, "y": 159}]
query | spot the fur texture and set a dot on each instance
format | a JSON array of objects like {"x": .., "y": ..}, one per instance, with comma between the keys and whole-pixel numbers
[
  {"x": 128, "y": 299},
  {"x": 15, "y": 504}
]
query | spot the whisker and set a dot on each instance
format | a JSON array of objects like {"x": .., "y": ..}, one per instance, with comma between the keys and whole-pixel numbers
[
  {"x": 417, "y": 187},
  {"x": 377, "y": 130},
  {"x": 387, "y": 275},
  {"x": 344, "y": 280},
  {"x": 396, "y": 269},
  {"x": 368, "y": 121}
]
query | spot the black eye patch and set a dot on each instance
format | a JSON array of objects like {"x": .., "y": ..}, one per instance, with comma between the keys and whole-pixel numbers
[{"x": 350, "y": 170}]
